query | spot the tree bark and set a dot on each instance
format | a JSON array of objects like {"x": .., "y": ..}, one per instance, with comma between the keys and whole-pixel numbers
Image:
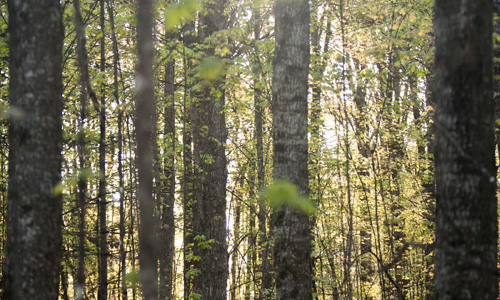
[
  {"x": 121, "y": 189},
  {"x": 466, "y": 207},
  {"x": 209, "y": 140},
  {"x": 496, "y": 68},
  {"x": 188, "y": 172},
  {"x": 265, "y": 287},
  {"x": 145, "y": 107},
  {"x": 291, "y": 69},
  {"x": 34, "y": 220},
  {"x": 168, "y": 195},
  {"x": 81, "y": 141},
  {"x": 102, "y": 293},
  {"x": 318, "y": 70}
]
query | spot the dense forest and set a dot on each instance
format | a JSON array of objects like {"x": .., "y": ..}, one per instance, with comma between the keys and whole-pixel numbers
[{"x": 251, "y": 149}]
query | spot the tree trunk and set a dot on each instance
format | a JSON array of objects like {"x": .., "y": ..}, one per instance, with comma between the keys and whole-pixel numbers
[
  {"x": 251, "y": 247},
  {"x": 167, "y": 217},
  {"x": 234, "y": 290},
  {"x": 318, "y": 70},
  {"x": 496, "y": 69},
  {"x": 81, "y": 141},
  {"x": 145, "y": 107},
  {"x": 291, "y": 69},
  {"x": 34, "y": 220},
  {"x": 102, "y": 293},
  {"x": 121, "y": 189},
  {"x": 64, "y": 283},
  {"x": 466, "y": 207},
  {"x": 265, "y": 269},
  {"x": 132, "y": 192},
  {"x": 188, "y": 173},
  {"x": 209, "y": 139}
]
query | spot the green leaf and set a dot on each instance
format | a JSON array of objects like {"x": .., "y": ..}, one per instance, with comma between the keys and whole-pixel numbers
[
  {"x": 199, "y": 237},
  {"x": 210, "y": 68},
  {"x": 192, "y": 257},
  {"x": 176, "y": 13},
  {"x": 283, "y": 193},
  {"x": 58, "y": 189},
  {"x": 133, "y": 278},
  {"x": 192, "y": 273}
]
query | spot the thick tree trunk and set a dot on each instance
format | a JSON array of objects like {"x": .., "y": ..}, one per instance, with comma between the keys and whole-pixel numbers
[
  {"x": 34, "y": 220},
  {"x": 148, "y": 255},
  {"x": 466, "y": 208},
  {"x": 291, "y": 69},
  {"x": 209, "y": 139}
]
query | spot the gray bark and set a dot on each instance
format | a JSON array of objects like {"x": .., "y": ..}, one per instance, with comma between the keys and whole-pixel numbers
[
  {"x": 34, "y": 220},
  {"x": 145, "y": 106},
  {"x": 466, "y": 207},
  {"x": 82, "y": 178},
  {"x": 291, "y": 69}
]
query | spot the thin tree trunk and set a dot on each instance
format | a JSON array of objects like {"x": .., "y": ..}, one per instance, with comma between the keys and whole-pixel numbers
[
  {"x": 132, "y": 196},
  {"x": 318, "y": 70},
  {"x": 64, "y": 283},
  {"x": 187, "y": 176},
  {"x": 496, "y": 69},
  {"x": 350, "y": 229},
  {"x": 251, "y": 249},
  {"x": 266, "y": 281},
  {"x": 102, "y": 293},
  {"x": 121, "y": 188},
  {"x": 82, "y": 177},
  {"x": 167, "y": 218},
  {"x": 157, "y": 193},
  {"x": 3, "y": 210},
  {"x": 234, "y": 255},
  {"x": 361, "y": 134}
]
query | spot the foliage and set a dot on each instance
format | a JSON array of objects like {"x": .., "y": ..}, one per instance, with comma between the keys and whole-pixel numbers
[
  {"x": 371, "y": 177},
  {"x": 285, "y": 194}
]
